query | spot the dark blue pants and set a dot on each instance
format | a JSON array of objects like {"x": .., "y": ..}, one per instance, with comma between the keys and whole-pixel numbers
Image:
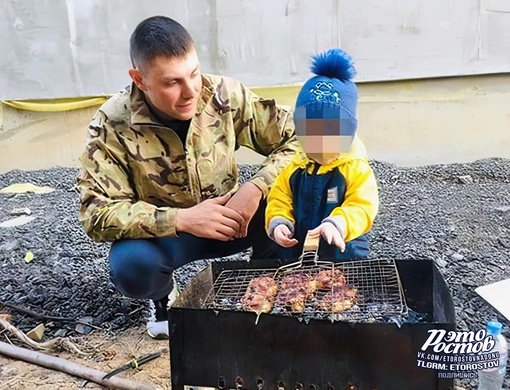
[{"x": 142, "y": 268}]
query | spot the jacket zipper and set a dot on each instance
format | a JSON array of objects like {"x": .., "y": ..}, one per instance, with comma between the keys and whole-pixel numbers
[
  {"x": 194, "y": 183},
  {"x": 312, "y": 198}
]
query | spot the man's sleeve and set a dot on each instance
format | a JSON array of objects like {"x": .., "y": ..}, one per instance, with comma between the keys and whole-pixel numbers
[
  {"x": 268, "y": 129},
  {"x": 361, "y": 203},
  {"x": 110, "y": 209}
]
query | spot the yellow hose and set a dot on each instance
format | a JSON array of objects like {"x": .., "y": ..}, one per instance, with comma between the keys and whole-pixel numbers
[{"x": 56, "y": 105}]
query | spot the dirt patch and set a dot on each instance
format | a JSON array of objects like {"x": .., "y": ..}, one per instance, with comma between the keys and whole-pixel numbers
[
  {"x": 106, "y": 352},
  {"x": 457, "y": 215}
]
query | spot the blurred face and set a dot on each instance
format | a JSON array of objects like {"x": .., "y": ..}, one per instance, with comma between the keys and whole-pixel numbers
[
  {"x": 321, "y": 148},
  {"x": 324, "y": 132},
  {"x": 172, "y": 86}
]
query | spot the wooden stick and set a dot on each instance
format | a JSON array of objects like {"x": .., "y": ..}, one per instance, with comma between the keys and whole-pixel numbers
[
  {"x": 70, "y": 368},
  {"x": 58, "y": 342},
  {"x": 45, "y": 317}
]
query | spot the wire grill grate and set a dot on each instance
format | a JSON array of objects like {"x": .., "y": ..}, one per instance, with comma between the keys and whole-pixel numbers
[{"x": 377, "y": 286}]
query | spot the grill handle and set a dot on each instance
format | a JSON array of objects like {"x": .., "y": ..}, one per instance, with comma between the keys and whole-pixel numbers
[{"x": 311, "y": 247}]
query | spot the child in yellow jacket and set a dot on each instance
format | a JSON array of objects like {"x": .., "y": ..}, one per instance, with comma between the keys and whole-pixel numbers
[{"x": 331, "y": 191}]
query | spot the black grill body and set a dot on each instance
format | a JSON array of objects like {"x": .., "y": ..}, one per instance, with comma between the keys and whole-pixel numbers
[{"x": 228, "y": 349}]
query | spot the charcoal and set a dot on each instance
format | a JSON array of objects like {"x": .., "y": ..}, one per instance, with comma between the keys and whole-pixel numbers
[{"x": 426, "y": 213}]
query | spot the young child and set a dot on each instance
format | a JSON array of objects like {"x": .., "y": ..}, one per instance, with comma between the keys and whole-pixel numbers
[{"x": 331, "y": 190}]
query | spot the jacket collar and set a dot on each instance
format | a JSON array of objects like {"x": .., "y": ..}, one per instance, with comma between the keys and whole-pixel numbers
[
  {"x": 206, "y": 95},
  {"x": 140, "y": 112},
  {"x": 356, "y": 152}
]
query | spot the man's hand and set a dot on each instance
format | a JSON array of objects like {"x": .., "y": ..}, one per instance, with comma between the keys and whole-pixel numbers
[
  {"x": 283, "y": 236},
  {"x": 246, "y": 202},
  {"x": 330, "y": 234},
  {"x": 210, "y": 219}
]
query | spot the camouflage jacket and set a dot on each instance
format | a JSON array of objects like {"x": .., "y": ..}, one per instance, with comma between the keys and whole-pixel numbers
[{"x": 136, "y": 172}]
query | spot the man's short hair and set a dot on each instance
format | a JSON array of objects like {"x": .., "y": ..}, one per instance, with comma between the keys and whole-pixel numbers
[{"x": 158, "y": 36}]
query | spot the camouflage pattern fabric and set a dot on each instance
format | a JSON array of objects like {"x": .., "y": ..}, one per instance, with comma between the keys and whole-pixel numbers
[{"x": 136, "y": 172}]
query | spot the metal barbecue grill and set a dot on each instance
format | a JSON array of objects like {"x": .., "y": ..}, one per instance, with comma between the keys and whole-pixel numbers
[
  {"x": 379, "y": 292},
  {"x": 215, "y": 344}
]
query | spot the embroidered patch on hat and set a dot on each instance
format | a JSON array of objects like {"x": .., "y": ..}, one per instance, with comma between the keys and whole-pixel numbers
[{"x": 324, "y": 91}]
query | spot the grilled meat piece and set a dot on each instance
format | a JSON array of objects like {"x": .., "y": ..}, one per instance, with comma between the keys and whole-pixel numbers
[
  {"x": 339, "y": 299},
  {"x": 260, "y": 294},
  {"x": 295, "y": 289},
  {"x": 328, "y": 278}
]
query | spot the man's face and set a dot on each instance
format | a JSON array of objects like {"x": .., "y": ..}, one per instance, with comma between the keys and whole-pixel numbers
[{"x": 171, "y": 85}]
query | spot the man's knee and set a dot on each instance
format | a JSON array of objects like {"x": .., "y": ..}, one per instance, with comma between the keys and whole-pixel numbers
[{"x": 134, "y": 267}]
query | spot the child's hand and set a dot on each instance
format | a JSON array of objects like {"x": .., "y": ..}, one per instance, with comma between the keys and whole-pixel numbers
[
  {"x": 330, "y": 234},
  {"x": 283, "y": 236}
]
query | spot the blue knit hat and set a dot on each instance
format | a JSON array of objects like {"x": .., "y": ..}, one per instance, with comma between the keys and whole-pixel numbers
[{"x": 326, "y": 104}]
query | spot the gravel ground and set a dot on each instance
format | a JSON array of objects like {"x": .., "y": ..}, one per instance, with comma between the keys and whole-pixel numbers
[{"x": 457, "y": 215}]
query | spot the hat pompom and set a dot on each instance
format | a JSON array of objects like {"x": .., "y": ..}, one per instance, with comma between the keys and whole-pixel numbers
[{"x": 334, "y": 63}]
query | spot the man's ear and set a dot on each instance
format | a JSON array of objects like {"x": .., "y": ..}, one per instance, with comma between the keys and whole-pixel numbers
[{"x": 137, "y": 78}]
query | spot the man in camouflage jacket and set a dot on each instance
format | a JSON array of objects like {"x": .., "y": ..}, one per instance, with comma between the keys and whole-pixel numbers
[{"x": 159, "y": 176}]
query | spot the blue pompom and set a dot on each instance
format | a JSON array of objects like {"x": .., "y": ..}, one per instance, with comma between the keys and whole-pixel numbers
[{"x": 334, "y": 63}]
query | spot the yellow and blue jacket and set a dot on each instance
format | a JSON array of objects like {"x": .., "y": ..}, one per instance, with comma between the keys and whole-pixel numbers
[{"x": 343, "y": 191}]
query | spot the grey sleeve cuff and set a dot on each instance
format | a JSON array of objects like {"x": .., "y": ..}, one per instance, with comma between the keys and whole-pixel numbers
[
  {"x": 339, "y": 223},
  {"x": 278, "y": 221}
]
